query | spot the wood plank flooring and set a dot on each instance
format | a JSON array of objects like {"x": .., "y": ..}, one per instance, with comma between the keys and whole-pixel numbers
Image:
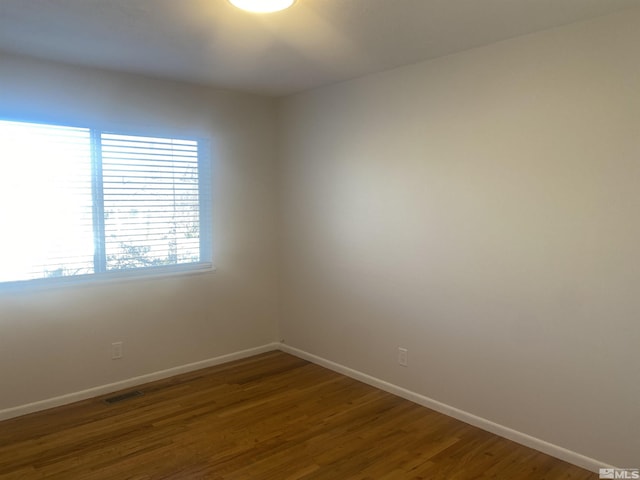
[{"x": 273, "y": 416}]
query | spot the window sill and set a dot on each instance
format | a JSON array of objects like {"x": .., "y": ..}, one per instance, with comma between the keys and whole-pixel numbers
[{"x": 109, "y": 278}]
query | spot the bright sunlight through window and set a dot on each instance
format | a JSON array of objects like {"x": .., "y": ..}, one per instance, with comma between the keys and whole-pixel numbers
[{"x": 81, "y": 202}]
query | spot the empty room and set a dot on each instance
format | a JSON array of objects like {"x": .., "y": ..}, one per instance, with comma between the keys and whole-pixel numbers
[{"x": 319, "y": 239}]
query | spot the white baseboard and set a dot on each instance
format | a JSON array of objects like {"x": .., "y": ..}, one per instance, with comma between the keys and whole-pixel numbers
[
  {"x": 487, "y": 425},
  {"x": 506, "y": 432},
  {"x": 131, "y": 382}
]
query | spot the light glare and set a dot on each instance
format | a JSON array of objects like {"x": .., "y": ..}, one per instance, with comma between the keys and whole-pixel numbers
[{"x": 262, "y": 6}]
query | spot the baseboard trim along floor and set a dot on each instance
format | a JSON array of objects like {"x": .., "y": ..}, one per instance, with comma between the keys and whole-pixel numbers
[
  {"x": 487, "y": 425},
  {"x": 131, "y": 382}
]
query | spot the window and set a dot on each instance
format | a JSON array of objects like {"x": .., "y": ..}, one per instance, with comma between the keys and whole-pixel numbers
[{"x": 83, "y": 202}]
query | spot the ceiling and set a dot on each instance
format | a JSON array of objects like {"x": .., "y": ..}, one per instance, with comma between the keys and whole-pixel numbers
[{"x": 315, "y": 43}]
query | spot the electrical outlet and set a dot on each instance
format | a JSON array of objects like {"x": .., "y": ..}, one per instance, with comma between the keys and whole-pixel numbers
[
  {"x": 116, "y": 350},
  {"x": 403, "y": 356}
]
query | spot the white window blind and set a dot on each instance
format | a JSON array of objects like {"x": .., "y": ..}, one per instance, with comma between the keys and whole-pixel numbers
[
  {"x": 151, "y": 201},
  {"x": 79, "y": 201}
]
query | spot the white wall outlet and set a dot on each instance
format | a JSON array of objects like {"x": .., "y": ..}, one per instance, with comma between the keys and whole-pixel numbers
[
  {"x": 116, "y": 350},
  {"x": 403, "y": 356}
]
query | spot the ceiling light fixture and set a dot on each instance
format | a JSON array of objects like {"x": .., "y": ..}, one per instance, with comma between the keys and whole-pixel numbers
[{"x": 262, "y": 6}]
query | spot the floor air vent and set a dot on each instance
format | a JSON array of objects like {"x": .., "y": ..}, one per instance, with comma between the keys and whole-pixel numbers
[{"x": 123, "y": 396}]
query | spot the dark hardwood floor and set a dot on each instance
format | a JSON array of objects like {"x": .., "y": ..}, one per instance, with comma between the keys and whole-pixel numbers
[{"x": 272, "y": 416}]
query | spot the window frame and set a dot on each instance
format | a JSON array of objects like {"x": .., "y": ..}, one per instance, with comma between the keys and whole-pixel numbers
[{"x": 205, "y": 209}]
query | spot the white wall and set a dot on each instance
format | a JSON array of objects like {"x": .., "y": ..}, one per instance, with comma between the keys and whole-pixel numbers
[
  {"x": 482, "y": 211},
  {"x": 57, "y": 341}
]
